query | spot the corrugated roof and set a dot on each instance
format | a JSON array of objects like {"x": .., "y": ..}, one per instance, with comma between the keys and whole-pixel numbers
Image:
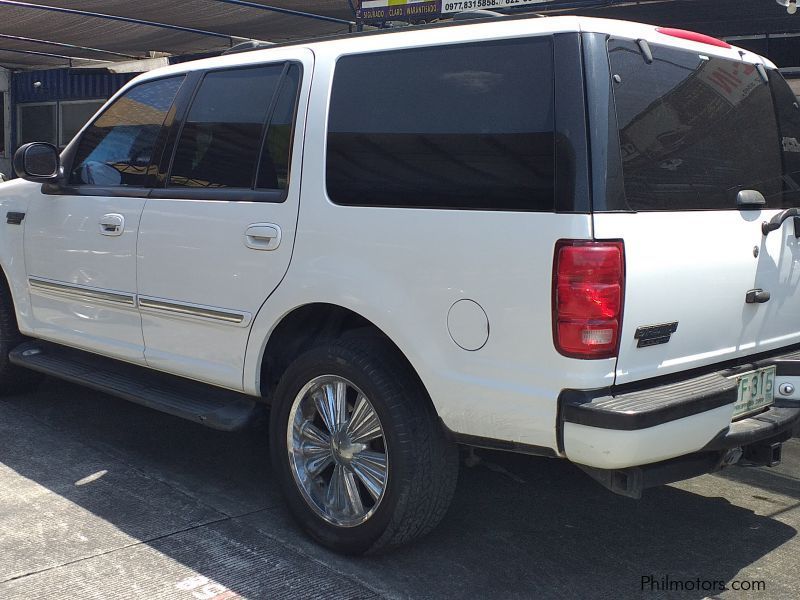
[
  {"x": 222, "y": 23},
  {"x": 200, "y": 26}
]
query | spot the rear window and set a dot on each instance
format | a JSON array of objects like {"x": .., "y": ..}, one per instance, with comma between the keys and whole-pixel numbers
[
  {"x": 694, "y": 130},
  {"x": 238, "y": 130},
  {"x": 466, "y": 126}
]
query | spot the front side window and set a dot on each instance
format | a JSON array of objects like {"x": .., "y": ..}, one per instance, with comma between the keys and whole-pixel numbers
[
  {"x": 74, "y": 115},
  {"x": 466, "y": 126},
  {"x": 694, "y": 130},
  {"x": 236, "y": 130},
  {"x": 117, "y": 149}
]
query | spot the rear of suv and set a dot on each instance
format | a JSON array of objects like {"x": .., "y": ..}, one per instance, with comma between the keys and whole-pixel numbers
[{"x": 565, "y": 237}]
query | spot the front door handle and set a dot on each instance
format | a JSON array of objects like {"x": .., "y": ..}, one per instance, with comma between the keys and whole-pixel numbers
[
  {"x": 262, "y": 236},
  {"x": 112, "y": 224}
]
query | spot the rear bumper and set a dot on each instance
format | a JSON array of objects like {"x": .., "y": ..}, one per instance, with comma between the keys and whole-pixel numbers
[{"x": 650, "y": 422}]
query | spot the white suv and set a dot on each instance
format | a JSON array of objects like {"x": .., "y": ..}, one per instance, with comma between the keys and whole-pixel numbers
[{"x": 563, "y": 237}]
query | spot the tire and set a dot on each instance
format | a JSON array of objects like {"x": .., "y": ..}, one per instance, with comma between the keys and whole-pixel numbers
[
  {"x": 421, "y": 465},
  {"x": 13, "y": 379}
]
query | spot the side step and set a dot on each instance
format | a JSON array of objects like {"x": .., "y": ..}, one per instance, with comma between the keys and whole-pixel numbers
[{"x": 214, "y": 407}]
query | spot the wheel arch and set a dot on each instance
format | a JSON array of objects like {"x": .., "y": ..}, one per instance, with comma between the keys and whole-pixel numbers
[
  {"x": 313, "y": 324},
  {"x": 5, "y": 288}
]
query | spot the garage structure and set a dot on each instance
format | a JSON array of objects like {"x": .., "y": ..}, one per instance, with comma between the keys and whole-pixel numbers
[{"x": 61, "y": 59}]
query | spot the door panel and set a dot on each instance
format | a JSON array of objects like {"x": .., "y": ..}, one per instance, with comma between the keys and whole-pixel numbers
[
  {"x": 200, "y": 284},
  {"x": 80, "y": 239},
  {"x": 699, "y": 280},
  {"x": 211, "y": 251},
  {"x": 82, "y": 282}
]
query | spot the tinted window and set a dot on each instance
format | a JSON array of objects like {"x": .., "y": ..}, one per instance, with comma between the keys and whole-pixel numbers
[
  {"x": 220, "y": 142},
  {"x": 462, "y": 126},
  {"x": 117, "y": 148},
  {"x": 273, "y": 171},
  {"x": 694, "y": 130},
  {"x": 2, "y": 124},
  {"x": 788, "y": 111}
]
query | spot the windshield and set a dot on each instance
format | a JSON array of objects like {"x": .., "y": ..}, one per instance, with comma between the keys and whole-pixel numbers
[{"x": 694, "y": 130}]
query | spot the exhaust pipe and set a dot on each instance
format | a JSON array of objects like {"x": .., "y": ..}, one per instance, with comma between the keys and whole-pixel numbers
[{"x": 732, "y": 456}]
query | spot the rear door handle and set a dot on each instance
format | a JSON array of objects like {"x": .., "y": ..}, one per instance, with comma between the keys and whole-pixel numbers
[
  {"x": 262, "y": 236},
  {"x": 112, "y": 224},
  {"x": 756, "y": 296}
]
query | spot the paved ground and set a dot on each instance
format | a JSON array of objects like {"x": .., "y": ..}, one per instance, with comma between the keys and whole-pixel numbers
[{"x": 103, "y": 499}]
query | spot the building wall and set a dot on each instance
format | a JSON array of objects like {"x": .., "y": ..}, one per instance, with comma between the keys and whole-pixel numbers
[
  {"x": 66, "y": 84},
  {"x": 54, "y": 86}
]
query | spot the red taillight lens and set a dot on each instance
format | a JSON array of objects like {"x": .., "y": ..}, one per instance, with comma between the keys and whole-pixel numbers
[{"x": 588, "y": 284}]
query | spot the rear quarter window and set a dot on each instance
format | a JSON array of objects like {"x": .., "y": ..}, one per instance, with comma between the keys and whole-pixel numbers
[{"x": 467, "y": 126}]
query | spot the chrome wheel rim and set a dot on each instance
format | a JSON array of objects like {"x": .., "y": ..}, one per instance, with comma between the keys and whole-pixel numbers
[{"x": 337, "y": 450}]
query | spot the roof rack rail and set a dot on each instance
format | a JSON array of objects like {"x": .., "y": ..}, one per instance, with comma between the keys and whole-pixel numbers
[
  {"x": 247, "y": 46},
  {"x": 477, "y": 13}
]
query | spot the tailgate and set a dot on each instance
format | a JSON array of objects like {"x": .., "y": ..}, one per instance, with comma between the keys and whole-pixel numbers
[
  {"x": 691, "y": 272},
  {"x": 709, "y": 152}
]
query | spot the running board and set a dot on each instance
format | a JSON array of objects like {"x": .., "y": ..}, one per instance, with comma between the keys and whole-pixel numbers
[{"x": 211, "y": 406}]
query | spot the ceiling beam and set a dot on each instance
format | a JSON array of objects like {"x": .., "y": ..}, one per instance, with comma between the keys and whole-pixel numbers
[
  {"x": 85, "y": 13},
  {"x": 63, "y": 45},
  {"x": 287, "y": 11},
  {"x": 69, "y": 59}
]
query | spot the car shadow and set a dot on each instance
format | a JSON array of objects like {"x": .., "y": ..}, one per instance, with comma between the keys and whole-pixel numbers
[{"x": 519, "y": 527}]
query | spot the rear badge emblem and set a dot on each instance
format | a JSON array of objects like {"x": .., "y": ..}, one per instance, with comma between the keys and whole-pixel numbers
[{"x": 651, "y": 335}]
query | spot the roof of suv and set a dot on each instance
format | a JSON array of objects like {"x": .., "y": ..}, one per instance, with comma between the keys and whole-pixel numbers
[{"x": 455, "y": 32}]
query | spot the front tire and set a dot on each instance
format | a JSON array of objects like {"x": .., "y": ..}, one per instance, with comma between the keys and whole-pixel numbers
[
  {"x": 358, "y": 449},
  {"x": 13, "y": 379}
]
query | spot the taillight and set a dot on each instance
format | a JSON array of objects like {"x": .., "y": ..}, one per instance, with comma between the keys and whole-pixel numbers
[{"x": 588, "y": 291}]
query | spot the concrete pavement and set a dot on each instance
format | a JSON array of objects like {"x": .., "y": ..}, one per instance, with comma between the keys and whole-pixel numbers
[{"x": 100, "y": 498}]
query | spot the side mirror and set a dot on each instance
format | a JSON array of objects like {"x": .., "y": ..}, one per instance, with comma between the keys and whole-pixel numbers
[{"x": 37, "y": 162}]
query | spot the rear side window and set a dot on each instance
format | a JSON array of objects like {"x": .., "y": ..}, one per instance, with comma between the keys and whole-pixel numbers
[
  {"x": 466, "y": 126},
  {"x": 273, "y": 170},
  {"x": 117, "y": 149},
  {"x": 228, "y": 124},
  {"x": 694, "y": 130}
]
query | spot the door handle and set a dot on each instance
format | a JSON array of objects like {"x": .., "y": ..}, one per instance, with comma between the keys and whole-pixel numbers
[
  {"x": 757, "y": 296},
  {"x": 112, "y": 224},
  {"x": 776, "y": 221},
  {"x": 262, "y": 236}
]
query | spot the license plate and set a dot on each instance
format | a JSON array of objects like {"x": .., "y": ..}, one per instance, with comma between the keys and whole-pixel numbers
[{"x": 756, "y": 390}]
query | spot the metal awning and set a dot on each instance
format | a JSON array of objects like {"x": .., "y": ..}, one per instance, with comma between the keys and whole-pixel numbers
[
  {"x": 58, "y": 33},
  {"x": 720, "y": 18}
]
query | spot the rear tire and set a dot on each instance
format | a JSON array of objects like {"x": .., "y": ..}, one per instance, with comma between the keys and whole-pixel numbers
[
  {"x": 386, "y": 473},
  {"x": 13, "y": 379}
]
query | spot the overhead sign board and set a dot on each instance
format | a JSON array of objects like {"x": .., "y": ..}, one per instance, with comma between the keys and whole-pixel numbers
[
  {"x": 454, "y": 6},
  {"x": 425, "y": 10}
]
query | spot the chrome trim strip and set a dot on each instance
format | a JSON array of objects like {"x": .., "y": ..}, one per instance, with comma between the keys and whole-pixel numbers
[
  {"x": 214, "y": 314},
  {"x": 81, "y": 293}
]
